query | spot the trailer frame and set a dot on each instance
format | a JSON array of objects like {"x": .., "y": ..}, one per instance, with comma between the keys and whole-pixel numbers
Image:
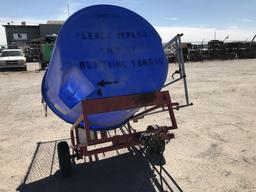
[{"x": 155, "y": 100}]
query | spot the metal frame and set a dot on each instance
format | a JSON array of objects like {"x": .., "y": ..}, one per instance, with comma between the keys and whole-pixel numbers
[
  {"x": 155, "y": 100},
  {"x": 175, "y": 44}
]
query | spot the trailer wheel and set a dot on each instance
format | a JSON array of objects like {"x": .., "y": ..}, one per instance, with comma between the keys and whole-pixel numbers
[{"x": 64, "y": 159}]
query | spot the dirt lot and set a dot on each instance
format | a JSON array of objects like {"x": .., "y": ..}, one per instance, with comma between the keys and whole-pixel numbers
[{"x": 214, "y": 149}]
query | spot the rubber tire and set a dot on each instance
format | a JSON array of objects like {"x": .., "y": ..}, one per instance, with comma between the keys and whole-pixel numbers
[{"x": 64, "y": 159}]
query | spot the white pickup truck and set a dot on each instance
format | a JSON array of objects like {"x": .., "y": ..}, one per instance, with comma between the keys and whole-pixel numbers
[{"x": 12, "y": 58}]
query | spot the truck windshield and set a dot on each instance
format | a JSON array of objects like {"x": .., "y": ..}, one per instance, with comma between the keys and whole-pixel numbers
[{"x": 11, "y": 53}]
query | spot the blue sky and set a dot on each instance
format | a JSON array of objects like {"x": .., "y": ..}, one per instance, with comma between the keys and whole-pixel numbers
[{"x": 197, "y": 19}]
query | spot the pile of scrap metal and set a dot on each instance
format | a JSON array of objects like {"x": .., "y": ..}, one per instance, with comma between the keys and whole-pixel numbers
[{"x": 214, "y": 50}]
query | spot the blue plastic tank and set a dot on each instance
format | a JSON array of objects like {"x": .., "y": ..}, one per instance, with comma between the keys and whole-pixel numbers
[{"x": 103, "y": 51}]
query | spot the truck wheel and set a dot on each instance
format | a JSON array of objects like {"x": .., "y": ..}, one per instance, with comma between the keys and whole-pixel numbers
[
  {"x": 64, "y": 159},
  {"x": 43, "y": 65}
]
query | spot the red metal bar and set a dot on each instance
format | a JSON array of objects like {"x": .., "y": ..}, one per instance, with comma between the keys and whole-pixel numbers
[
  {"x": 109, "y": 148},
  {"x": 133, "y": 142},
  {"x": 87, "y": 125},
  {"x": 124, "y": 102},
  {"x": 171, "y": 113},
  {"x": 128, "y": 137}
]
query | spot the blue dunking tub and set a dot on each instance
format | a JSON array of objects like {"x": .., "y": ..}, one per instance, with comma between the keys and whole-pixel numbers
[{"x": 103, "y": 51}]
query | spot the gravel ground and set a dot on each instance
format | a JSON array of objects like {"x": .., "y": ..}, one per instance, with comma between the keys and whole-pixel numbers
[{"x": 214, "y": 149}]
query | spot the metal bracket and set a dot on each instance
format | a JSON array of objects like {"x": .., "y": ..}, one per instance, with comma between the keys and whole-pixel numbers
[{"x": 175, "y": 43}]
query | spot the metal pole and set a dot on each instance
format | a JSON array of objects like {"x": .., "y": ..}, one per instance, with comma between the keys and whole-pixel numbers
[
  {"x": 183, "y": 74},
  {"x": 172, "y": 40}
]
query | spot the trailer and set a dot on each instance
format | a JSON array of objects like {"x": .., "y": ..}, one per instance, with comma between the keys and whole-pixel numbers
[
  {"x": 152, "y": 140},
  {"x": 103, "y": 81}
]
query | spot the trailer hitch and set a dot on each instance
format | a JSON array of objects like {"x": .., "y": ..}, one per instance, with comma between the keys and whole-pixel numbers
[{"x": 154, "y": 144}]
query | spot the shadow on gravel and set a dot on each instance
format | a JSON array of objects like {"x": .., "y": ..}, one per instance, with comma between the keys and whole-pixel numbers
[
  {"x": 127, "y": 173},
  {"x": 8, "y": 69}
]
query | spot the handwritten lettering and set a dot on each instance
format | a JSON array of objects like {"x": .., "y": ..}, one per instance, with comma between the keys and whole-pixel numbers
[
  {"x": 122, "y": 35},
  {"x": 121, "y": 64}
]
